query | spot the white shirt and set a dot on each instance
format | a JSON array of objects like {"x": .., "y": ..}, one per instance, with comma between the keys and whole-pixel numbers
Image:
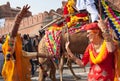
[
  {"x": 81, "y": 4},
  {"x": 89, "y": 6}
]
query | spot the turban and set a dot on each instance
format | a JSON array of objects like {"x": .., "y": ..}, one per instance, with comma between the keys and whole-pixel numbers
[{"x": 90, "y": 26}]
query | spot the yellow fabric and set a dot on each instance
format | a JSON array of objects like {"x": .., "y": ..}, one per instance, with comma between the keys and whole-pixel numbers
[
  {"x": 74, "y": 20},
  {"x": 8, "y": 67},
  {"x": 70, "y": 5},
  {"x": 55, "y": 28},
  {"x": 18, "y": 70},
  {"x": 99, "y": 58}
]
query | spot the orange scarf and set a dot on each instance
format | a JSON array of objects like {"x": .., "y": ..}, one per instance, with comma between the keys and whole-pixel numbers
[{"x": 17, "y": 70}]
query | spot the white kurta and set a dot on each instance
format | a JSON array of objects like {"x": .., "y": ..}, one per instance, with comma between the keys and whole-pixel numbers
[{"x": 89, "y": 6}]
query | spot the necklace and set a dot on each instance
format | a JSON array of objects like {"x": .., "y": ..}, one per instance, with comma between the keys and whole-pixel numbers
[
  {"x": 100, "y": 56},
  {"x": 97, "y": 47}
]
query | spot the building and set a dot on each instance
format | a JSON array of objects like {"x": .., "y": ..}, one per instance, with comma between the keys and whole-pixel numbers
[{"x": 31, "y": 24}]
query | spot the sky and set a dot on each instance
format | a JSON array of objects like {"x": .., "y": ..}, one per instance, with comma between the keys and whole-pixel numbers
[{"x": 37, "y": 6}]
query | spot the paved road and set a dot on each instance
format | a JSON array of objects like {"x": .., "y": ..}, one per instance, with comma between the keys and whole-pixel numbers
[{"x": 67, "y": 76}]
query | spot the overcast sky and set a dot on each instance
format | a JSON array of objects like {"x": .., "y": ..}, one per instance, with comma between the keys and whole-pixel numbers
[{"x": 37, "y": 6}]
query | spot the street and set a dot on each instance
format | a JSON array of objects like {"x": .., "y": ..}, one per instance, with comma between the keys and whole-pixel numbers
[{"x": 67, "y": 75}]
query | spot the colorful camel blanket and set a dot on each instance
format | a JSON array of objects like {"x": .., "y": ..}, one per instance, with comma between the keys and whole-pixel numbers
[
  {"x": 53, "y": 39},
  {"x": 53, "y": 42}
]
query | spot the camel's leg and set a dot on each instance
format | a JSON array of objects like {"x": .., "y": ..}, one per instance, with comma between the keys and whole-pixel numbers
[
  {"x": 41, "y": 75},
  {"x": 61, "y": 67},
  {"x": 69, "y": 64},
  {"x": 53, "y": 72}
]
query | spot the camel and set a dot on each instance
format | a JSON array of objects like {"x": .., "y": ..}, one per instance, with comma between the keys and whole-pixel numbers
[{"x": 78, "y": 43}]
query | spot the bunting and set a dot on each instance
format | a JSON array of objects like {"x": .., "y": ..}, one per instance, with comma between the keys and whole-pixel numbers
[{"x": 113, "y": 17}]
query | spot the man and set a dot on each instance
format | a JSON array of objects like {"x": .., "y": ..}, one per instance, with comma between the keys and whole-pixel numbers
[{"x": 88, "y": 5}]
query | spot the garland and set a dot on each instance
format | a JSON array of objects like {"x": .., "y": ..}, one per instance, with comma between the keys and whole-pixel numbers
[
  {"x": 73, "y": 19},
  {"x": 100, "y": 56},
  {"x": 70, "y": 5},
  {"x": 113, "y": 18},
  {"x": 56, "y": 28}
]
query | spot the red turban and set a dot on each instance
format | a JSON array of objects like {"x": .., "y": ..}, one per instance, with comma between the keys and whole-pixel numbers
[{"x": 90, "y": 26}]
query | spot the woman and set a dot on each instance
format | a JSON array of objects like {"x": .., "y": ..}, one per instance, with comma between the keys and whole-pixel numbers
[
  {"x": 100, "y": 52},
  {"x": 16, "y": 67}
]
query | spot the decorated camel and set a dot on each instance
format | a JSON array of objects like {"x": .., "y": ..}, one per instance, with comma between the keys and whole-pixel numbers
[
  {"x": 53, "y": 44},
  {"x": 78, "y": 40}
]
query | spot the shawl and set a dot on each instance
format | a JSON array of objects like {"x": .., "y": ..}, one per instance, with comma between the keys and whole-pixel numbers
[{"x": 18, "y": 69}]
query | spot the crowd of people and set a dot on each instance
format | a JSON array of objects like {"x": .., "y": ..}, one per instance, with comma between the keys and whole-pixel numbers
[{"x": 30, "y": 44}]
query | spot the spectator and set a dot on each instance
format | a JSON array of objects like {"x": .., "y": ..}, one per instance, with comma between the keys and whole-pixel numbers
[
  {"x": 1, "y": 56},
  {"x": 36, "y": 42},
  {"x": 27, "y": 44}
]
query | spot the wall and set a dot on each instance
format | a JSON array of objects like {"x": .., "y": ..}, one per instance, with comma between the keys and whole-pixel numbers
[{"x": 29, "y": 25}]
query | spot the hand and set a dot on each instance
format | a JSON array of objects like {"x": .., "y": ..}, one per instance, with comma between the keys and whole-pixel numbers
[
  {"x": 24, "y": 10},
  {"x": 102, "y": 23},
  {"x": 22, "y": 13}
]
